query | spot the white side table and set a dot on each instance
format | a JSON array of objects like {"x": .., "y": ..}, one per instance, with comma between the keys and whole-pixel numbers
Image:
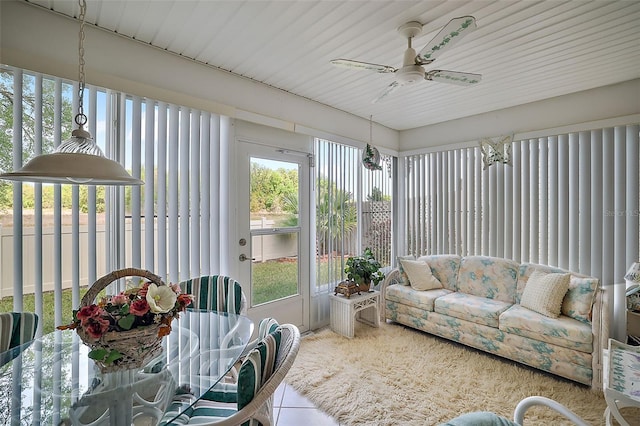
[
  {"x": 621, "y": 370},
  {"x": 344, "y": 311}
]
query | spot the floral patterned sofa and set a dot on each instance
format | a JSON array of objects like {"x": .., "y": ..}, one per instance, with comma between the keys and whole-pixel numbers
[{"x": 479, "y": 306}]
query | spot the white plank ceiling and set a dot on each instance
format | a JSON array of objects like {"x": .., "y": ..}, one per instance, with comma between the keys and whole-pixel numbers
[{"x": 526, "y": 50}]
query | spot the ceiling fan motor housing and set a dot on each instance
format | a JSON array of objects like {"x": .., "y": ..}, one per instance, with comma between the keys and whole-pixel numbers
[{"x": 410, "y": 74}]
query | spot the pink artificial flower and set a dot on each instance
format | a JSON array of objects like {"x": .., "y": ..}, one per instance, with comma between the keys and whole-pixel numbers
[
  {"x": 96, "y": 326},
  {"x": 139, "y": 307},
  {"x": 176, "y": 288},
  {"x": 87, "y": 312},
  {"x": 120, "y": 299},
  {"x": 184, "y": 300},
  {"x": 143, "y": 290}
]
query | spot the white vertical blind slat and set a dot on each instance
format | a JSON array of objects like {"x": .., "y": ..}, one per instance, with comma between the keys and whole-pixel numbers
[
  {"x": 183, "y": 194},
  {"x": 597, "y": 207},
  {"x": 205, "y": 191},
  {"x": 136, "y": 171},
  {"x": 149, "y": 185},
  {"x": 534, "y": 203},
  {"x": 584, "y": 201},
  {"x": 620, "y": 228},
  {"x": 174, "y": 132},
  {"x": 563, "y": 201},
  {"x": 161, "y": 187},
  {"x": 573, "y": 205},
  {"x": 92, "y": 202},
  {"x": 553, "y": 200},
  {"x": 517, "y": 188},
  {"x": 525, "y": 198},
  {"x": 543, "y": 148},
  {"x": 194, "y": 195},
  {"x": 18, "y": 275},
  {"x": 37, "y": 217},
  {"x": 216, "y": 223}
]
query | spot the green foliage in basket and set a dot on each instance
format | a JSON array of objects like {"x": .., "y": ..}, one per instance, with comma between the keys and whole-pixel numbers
[{"x": 363, "y": 269}]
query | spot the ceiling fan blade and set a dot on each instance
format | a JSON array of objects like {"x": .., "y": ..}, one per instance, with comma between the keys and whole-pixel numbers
[
  {"x": 453, "y": 77},
  {"x": 447, "y": 37},
  {"x": 387, "y": 91},
  {"x": 357, "y": 65}
]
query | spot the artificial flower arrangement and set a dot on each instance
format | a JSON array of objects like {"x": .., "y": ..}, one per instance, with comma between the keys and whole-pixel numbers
[{"x": 146, "y": 306}]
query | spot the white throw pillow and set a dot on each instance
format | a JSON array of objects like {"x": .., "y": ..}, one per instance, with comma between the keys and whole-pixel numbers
[
  {"x": 419, "y": 274},
  {"x": 544, "y": 293}
]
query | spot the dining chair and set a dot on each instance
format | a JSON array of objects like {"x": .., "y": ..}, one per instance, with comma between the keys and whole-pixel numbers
[
  {"x": 16, "y": 329},
  {"x": 486, "y": 418},
  {"x": 250, "y": 401},
  {"x": 216, "y": 293}
]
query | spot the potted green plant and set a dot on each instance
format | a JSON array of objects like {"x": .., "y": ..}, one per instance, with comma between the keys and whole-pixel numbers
[{"x": 364, "y": 270}]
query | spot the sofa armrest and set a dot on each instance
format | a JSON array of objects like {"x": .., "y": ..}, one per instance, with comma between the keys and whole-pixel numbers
[
  {"x": 600, "y": 329},
  {"x": 392, "y": 278}
]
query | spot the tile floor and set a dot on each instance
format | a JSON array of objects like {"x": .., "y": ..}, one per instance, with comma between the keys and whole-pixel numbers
[{"x": 292, "y": 409}]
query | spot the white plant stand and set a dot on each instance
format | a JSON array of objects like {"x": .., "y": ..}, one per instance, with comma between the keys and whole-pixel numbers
[{"x": 345, "y": 311}]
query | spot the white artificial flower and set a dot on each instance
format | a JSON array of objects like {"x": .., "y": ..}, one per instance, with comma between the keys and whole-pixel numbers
[{"x": 161, "y": 299}]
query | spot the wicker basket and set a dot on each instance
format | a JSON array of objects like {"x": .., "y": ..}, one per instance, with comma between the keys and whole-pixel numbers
[{"x": 137, "y": 346}]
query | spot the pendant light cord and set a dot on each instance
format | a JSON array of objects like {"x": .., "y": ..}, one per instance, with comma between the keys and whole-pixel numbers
[{"x": 81, "y": 119}]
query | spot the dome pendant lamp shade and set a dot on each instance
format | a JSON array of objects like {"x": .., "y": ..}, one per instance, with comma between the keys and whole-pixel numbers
[{"x": 77, "y": 160}]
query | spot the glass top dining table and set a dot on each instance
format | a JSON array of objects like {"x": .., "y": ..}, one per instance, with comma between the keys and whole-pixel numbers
[{"x": 52, "y": 381}]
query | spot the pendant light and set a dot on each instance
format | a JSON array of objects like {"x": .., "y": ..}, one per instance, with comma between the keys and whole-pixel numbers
[
  {"x": 77, "y": 160},
  {"x": 371, "y": 155}
]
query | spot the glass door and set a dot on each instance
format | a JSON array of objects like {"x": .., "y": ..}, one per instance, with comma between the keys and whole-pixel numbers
[{"x": 274, "y": 233}]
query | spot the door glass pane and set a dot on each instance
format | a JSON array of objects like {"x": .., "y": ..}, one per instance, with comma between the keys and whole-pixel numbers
[
  {"x": 273, "y": 203},
  {"x": 274, "y": 268}
]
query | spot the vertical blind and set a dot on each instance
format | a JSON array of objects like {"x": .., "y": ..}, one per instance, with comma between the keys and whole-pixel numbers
[
  {"x": 353, "y": 212},
  {"x": 172, "y": 225},
  {"x": 568, "y": 200}
]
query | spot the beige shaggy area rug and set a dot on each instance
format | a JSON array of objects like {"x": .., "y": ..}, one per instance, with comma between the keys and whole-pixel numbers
[{"x": 399, "y": 376}]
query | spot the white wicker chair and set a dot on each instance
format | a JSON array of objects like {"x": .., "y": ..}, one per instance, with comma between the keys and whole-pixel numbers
[
  {"x": 260, "y": 409},
  {"x": 491, "y": 419}
]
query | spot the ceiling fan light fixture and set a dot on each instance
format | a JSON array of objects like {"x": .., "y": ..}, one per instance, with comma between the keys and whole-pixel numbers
[{"x": 78, "y": 159}]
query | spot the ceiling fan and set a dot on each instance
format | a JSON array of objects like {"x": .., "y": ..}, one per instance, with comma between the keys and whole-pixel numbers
[{"x": 412, "y": 69}]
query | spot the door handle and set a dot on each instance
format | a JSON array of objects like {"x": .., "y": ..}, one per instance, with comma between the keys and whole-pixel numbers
[{"x": 243, "y": 257}]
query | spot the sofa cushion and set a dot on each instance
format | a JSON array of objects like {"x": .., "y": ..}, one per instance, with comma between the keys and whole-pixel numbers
[
  {"x": 562, "y": 331},
  {"x": 525, "y": 271},
  {"x": 417, "y": 299},
  {"x": 480, "y": 310},
  {"x": 490, "y": 277},
  {"x": 578, "y": 301},
  {"x": 445, "y": 268},
  {"x": 544, "y": 293},
  {"x": 419, "y": 275},
  {"x": 404, "y": 280}
]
